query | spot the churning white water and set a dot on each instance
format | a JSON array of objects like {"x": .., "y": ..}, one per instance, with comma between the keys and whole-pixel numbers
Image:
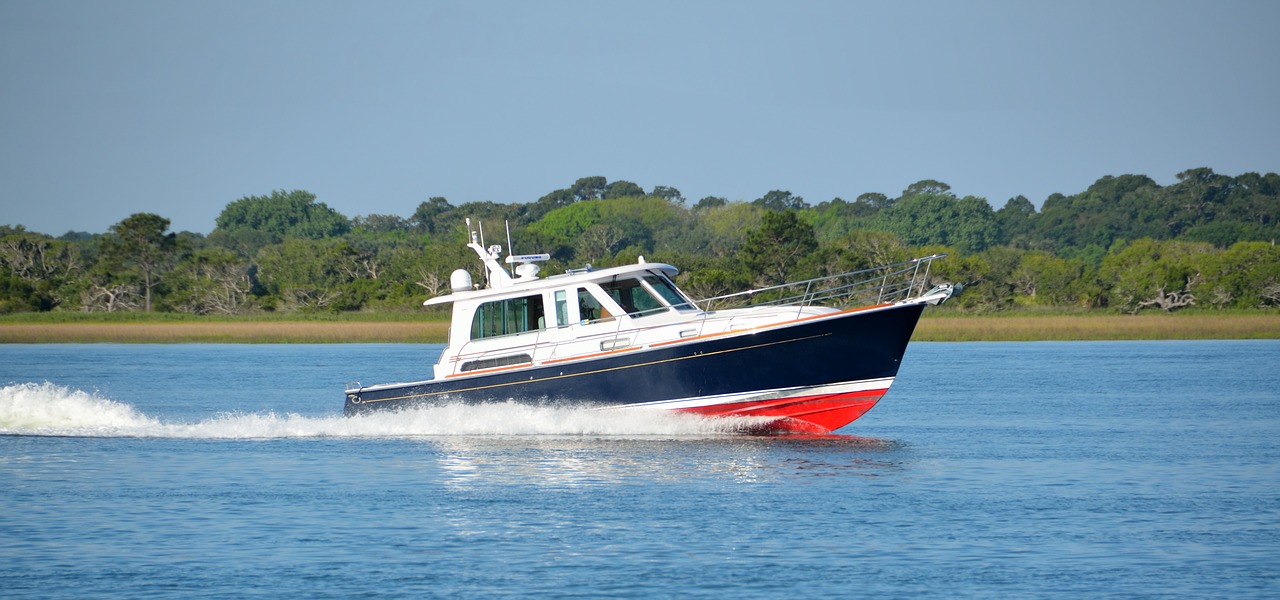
[{"x": 53, "y": 410}]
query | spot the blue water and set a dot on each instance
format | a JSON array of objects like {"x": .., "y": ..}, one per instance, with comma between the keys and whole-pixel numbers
[{"x": 1022, "y": 469}]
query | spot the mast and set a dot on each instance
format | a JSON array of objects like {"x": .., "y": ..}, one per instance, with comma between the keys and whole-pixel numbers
[{"x": 496, "y": 276}]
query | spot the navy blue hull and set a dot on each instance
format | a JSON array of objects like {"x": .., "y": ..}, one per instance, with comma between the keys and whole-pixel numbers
[{"x": 818, "y": 351}]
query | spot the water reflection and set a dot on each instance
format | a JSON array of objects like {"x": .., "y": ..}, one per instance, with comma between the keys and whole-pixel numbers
[{"x": 568, "y": 462}]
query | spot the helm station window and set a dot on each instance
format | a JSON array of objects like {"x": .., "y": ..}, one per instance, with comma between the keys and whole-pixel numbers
[
  {"x": 667, "y": 290},
  {"x": 507, "y": 317},
  {"x": 651, "y": 297},
  {"x": 633, "y": 297}
]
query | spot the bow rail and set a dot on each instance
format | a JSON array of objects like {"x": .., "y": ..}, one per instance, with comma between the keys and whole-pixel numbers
[{"x": 885, "y": 284}]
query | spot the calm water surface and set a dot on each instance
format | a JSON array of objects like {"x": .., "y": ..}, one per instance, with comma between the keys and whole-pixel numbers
[{"x": 1126, "y": 469}]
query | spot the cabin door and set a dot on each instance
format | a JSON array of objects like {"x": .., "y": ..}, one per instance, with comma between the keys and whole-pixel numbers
[
  {"x": 562, "y": 318},
  {"x": 585, "y": 323}
]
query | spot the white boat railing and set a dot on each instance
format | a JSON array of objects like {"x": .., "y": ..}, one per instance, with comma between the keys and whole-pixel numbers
[{"x": 884, "y": 284}]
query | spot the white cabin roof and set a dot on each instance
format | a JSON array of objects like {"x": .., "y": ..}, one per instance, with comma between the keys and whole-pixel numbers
[{"x": 520, "y": 287}]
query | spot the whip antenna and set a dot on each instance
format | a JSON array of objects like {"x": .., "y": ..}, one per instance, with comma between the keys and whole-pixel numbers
[{"x": 511, "y": 248}]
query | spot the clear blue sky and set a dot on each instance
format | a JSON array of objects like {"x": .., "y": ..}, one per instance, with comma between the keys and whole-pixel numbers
[{"x": 179, "y": 107}]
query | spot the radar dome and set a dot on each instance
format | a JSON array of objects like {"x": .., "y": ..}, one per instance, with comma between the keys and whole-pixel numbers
[{"x": 460, "y": 280}]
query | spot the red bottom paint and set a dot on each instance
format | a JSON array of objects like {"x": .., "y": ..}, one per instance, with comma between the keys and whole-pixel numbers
[{"x": 802, "y": 414}]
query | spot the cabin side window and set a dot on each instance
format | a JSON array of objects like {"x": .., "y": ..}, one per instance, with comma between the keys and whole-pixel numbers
[
  {"x": 562, "y": 308},
  {"x": 507, "y": 317},
  {"x": 589, "y": 309}
]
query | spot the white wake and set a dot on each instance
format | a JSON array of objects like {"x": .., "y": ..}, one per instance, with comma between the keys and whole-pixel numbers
[{"x": 46, "y": 409}]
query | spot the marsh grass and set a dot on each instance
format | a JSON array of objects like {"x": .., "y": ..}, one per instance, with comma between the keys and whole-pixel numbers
[
  {"x": 49, "y": 328},
  {"x": 1045, "y": 327},
  {"x": 939, "y": 326},
  {"x": 265, "y": 317},
  {"x": 238, "y": 332}
]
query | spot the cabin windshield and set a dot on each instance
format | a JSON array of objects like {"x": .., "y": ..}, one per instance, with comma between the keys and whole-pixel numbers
[
  {"x": 633, "y": 297},
  {"x": 667, "y": 290}
]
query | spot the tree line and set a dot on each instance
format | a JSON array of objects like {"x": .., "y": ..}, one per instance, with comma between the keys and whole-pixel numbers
[{"x": 1125, "y": 244}]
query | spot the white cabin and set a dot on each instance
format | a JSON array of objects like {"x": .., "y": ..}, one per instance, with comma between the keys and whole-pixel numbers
[{"x": 579, "y": 315}]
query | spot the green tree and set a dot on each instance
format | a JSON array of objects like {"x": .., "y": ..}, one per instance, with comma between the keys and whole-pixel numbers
[
  {"x": 211, "y": 281},
  {"x": 549, "y": 202},
  {"x": 712, "y": 282},
  {"x": 925, "y": 186},
  {"x": 140, "y": 245},
  {"x": 308, "y": 275},
  {"x": 1042, "y": 279},
  {"x": 709, "y": 202},
  {"x": 599, "y": 242},
  {"x": 1154, "y": 273},
  {"x": 32, "y": 268},
  {"x": 589, "y": 188},
  {"x": 1246, "y": 275},
  {"x": 875, "y": 200},
  {"x": 836, "y": 218},
  {"x": 622, "y": 189},
  {"x": 413, "y": 271},
  {"x": 727, "y": 226},
  {"x": 1113, "y": 208},
  {"x": 44, "y": 270},
  {"x": 1255, "y": 200},
  {"x": 282, "y": 214},
  {"x": 865, "y": 248},
  {"x": 380, "y": 224},
  {"x": 669, "y": 194},
  {"x": 777, "y": 249},
  {"x": 989, "y": 278},
  {"x": 1196, "y": 198},
  {"x": 19, "y": 295},
  {"x": 976, "y": 227},
  {"x": 427, "y": 218},
  {"x": 781, "y": 200},
  {"x": 930, "y": 218},
  {"x": 645, "y": 220},
  {"x": 558, "y": 231},
  {"x": 1017, "y": 222},
  {"x": 484, "y": 211}
]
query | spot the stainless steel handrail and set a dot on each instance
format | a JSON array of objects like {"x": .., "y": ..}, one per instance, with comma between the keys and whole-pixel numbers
[{"x": 885, "y": 283}]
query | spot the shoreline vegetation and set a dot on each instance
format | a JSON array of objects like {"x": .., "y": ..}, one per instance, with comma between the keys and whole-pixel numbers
[
  {"x": 936, "y": 326},
  {"x": 1125, "y": 244}
]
